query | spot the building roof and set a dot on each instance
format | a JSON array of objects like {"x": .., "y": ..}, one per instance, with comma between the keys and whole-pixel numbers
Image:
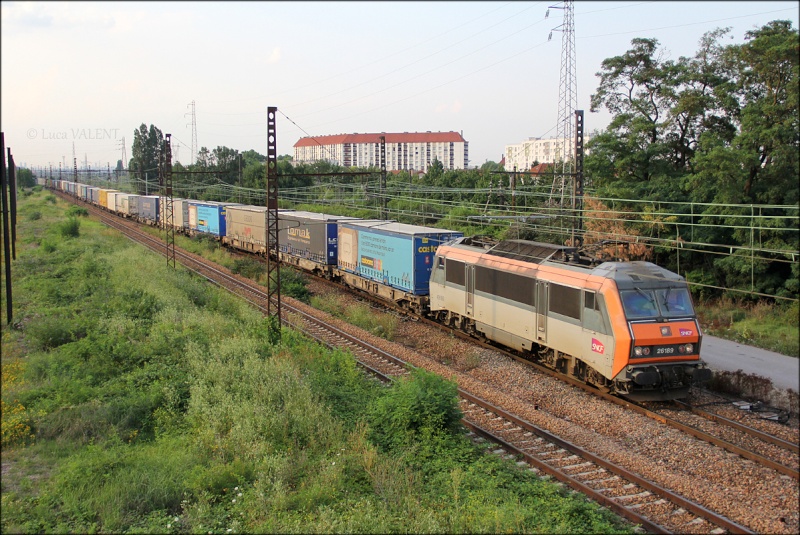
[
  {"x": 540, "y": 168},
  {"x": 405, "y": 137}
]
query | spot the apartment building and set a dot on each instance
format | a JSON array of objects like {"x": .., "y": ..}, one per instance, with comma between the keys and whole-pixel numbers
[
  {"x": 536, "y": 150},
  {"x": 409, "y": 151}
]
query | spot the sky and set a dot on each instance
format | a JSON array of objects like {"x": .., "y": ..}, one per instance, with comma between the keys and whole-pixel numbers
[{"x": 89, "y": 73}]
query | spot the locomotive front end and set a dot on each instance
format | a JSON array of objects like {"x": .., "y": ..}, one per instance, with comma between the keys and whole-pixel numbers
[{"x": 662, "y": 359}]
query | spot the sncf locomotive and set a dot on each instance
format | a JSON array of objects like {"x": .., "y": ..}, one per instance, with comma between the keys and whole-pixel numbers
[{"x": 626, "y": 327}]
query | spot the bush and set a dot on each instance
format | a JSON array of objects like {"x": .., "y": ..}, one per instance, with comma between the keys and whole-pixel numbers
[
  {"x": 50, "y": 332},
  {"x": 48, "y": 246},
  {"x": 293, "y": 284},
  {"x": 77, "y": 211},
  {"x": 247, "y": 267},
  {"x": 34, "y": 216},
  {"x": 70, "y": 228},
  {"x": 425, "y": 402}
]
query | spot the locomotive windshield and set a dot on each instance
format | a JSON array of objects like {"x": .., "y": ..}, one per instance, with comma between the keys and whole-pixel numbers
[{"x": 663, "y": 302}]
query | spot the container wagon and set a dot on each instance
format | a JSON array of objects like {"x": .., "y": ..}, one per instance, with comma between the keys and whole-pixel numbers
[
  {"x": 390, "y": 259},
  {"x": 148, "y": 209},
  {"x": 103, "y": 197},
  {"x": 208, "y": 217}
]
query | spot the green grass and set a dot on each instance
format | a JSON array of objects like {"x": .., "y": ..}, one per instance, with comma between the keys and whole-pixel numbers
[
  {"x": 140, "y": 399},
  {"x": 360, "y": 315},
  {"x": 764, "y": 325}
]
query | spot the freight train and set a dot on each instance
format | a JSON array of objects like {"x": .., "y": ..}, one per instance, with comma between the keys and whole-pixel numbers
[{"x": 628, "y": 328}]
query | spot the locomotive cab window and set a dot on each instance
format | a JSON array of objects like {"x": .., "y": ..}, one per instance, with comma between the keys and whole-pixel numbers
[
  {"x": 675, "y": 302},
  {"x": 594, "y": 316},
  {"x": 639, "y": 304},
  {"x": 437, "y": 276}
]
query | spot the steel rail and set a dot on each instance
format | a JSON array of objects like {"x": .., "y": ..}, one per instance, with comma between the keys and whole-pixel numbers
[{"x": 790, "y": 446}]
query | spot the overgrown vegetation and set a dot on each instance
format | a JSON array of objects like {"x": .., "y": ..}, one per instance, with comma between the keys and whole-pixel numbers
[
  {"x": 361, "y": 315},
  {"x": 139, "y": 399},
  {"x": 776, "y": 328}
]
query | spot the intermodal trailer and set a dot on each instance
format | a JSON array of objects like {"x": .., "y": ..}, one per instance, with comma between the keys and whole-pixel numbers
[
  {"x": 130, "y": 205},
  {"x": 246, "y": 227},
  {"x": 113, "y": 204},
  {"x": 148, "y": 209},
  {"x": 93, "y": 194},
  {"x": 180, "y": 214},
  {"x": 208, "y": 216},
  {"x": 395, "y": 254},
  {"x": 310, "y": 236},
  {"x": 103, "y": 199}
]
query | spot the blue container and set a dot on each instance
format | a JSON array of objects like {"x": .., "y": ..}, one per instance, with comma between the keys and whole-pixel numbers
[
  {"x": 395, "y": 254},
  {"x": 211, "y": 216},
  {"x": 148, "y": 208}
]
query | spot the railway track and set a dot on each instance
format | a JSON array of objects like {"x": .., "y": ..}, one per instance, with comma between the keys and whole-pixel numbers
[{"x": 633, "y": 497}]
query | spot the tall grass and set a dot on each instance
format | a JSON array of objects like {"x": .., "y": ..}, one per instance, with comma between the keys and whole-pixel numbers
[
  {"x": 765, "y": 325},
  {"x": 368, "y": 318}
]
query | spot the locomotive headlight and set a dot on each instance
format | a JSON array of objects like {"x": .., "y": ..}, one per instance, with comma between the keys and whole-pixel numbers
[
  {"x": 645, "y": 351},
  {"x": 689, "y": 348},
  {"x": 637, "y": 351},
  {"x": 641, "y": 351}
]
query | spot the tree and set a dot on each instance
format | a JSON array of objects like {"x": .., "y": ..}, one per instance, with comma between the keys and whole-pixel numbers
[
  {"x": 25, "y": 178},
  {"x": 720, "y": 127},
  {"x": 146, "y": 149},
  {"x": 638, "y": 88}
]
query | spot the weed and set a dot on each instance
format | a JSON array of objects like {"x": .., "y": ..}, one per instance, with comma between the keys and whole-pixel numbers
[
  {"x": 70, "y": 228},
  {"x": 77, "y": 211},
  {"x": 48, "y": 245},
  {"x": 34, "y": 215},
  {"x": 16, "y": 429},
  {"x": 247, "y": 267},
  {"x": 425, "y": 401}
]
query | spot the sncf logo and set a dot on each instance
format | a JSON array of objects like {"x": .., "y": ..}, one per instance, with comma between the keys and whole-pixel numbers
[
  {"x": 687, "y": 332},
  {"x": 597, "y": 346}
]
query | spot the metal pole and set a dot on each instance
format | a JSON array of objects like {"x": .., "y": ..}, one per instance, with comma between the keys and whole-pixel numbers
[
  {"x": 6, "y": 238},
  {"x": 12, "y": 187},
  {"x": 273, "y": 250}
]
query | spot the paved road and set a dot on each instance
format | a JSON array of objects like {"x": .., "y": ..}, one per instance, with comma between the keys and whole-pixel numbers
[{"x": 724, "y": 355}]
